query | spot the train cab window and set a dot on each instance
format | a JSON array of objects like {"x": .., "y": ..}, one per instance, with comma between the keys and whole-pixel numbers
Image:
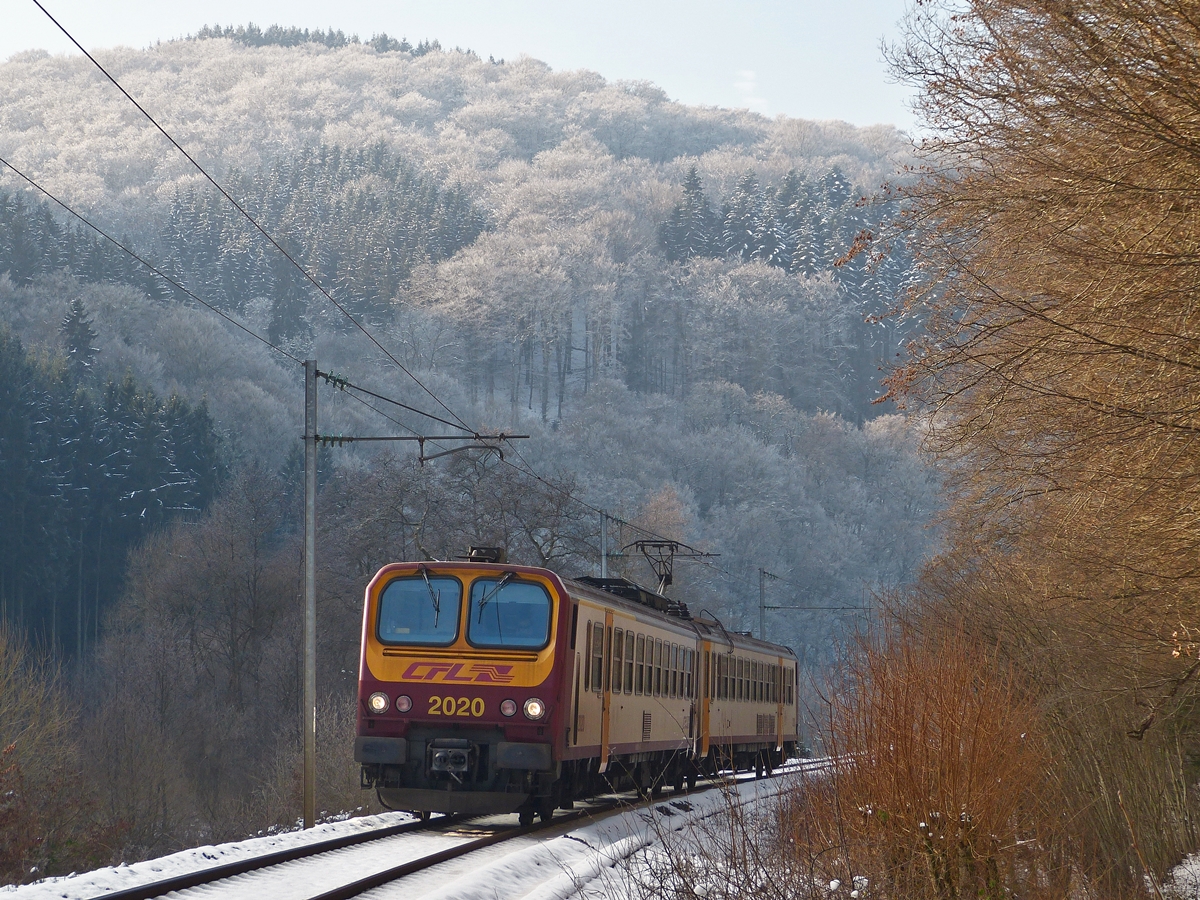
[
  {"x": 419, "y": 609},
  {"x": 508, "y": 613},
  {"x": 641, "y": 664},
  {"x": 628, "y": 662},
  {"x": 597, "y": 655},
  {"x": 618, "y": 664}
]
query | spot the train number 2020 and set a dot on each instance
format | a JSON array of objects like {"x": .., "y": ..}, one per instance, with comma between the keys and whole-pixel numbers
[{"x": 456, "y": 706}]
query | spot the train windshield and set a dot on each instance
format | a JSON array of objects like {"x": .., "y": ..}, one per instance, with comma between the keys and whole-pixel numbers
[
  {"x": 420, "y": 609},
  {"x": 508, "y": 613}
]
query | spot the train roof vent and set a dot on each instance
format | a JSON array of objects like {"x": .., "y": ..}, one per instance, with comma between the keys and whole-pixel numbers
[{"x": 627, "y": 590}]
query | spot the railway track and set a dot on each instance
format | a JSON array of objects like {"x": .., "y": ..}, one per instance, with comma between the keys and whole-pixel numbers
[{"x": 374, "y": 851}]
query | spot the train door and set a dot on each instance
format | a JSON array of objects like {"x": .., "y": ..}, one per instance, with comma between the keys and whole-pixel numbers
[
  {"x": 778, "y": 687},
  {"x": 706, "y": 697},
  {"x": 606, "y": 690}
]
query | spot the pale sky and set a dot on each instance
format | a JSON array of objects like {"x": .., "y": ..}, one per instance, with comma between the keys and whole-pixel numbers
[{"x": 805, "y": 58}]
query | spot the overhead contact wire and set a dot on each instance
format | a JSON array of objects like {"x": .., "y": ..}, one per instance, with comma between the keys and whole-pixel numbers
[
  {"x": 345, "y": 312},
  {"x": 530, "y": 473},
  {"x": 149, "y": 265}
]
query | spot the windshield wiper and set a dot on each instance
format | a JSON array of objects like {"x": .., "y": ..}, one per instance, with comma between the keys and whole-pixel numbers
[
  {"x": 435, "y": 596},
  {"x": 504, "y": 579}
]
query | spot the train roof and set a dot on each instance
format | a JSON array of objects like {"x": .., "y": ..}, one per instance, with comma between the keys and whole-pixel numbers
[{"x": 633, "y": 594}]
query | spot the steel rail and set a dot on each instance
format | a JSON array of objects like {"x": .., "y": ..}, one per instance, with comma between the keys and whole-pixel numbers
[
  {"x": 370, "y": 882},
  {"x": 355, "y": 888},
  {"x": 274, "y": 858},
  {"x": 221, "y": 872}
]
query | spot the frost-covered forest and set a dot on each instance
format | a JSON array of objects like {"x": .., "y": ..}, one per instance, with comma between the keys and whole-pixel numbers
[{"x": 660, "y": 295}]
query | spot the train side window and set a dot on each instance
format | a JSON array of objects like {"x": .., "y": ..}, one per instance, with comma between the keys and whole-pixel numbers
[
  {"x": 629, "y": 662},
  {"x": 722, "y": 677},
  {"x": 574, "y": 622},
  {"x": 691, "y": 671},
  {"x": 658, "y": 667},
  {"x": 607, "y": 657},
  {"x": 790, "y": 684},
  {"x": 675, "y": 691},
  {"x": 641, "y": 664},
  {"x": 618, "y": 659},
  {"x": 669, "y": 675},
  {"x": 587, "y": 668},
  {"x": 707, "y": 660},
  {"x": 597, "y": 655},
  {"x": 754, "y": 680},
  {"x": 741, "y": 678}
]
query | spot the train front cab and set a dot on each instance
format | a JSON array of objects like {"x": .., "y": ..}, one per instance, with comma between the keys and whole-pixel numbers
[{"x": 459, "y": 698}]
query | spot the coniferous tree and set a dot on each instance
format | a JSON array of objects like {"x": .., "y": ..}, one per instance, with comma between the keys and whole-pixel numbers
[
  {"x": 78, "y": 335},
  {"x": 690, "y": 231}
]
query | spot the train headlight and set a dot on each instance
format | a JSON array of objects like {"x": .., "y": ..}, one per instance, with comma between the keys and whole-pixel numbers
[
  {"x": 403, "y": 703},
  {"x": 534, "y": 708},
  {"x": 378, "y": 703},
  {"x": 508, "y": 707}
]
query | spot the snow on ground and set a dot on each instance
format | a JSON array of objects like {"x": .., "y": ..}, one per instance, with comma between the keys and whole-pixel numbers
[
  {"x": 585, "y": 862},
  {"x": 1184, "y": 880},
  {"x": 580, "y": 860},
  {"x": 88, "y": 885}
]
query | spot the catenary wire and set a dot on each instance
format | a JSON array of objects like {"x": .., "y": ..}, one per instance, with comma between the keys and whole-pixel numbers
[
  {"x": 347, "y": 385},
  {"x": 342, "y": 309},
  {"x": 134, "y": 255}
]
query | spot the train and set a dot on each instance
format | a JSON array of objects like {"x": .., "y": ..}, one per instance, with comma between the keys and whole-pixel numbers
[{"x": 486, "y": 687}]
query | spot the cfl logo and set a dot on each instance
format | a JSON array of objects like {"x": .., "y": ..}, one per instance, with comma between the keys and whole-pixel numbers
[{"x": 459, "y": 673}]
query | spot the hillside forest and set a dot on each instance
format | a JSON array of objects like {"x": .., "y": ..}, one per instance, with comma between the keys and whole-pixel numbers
[{"x": 662, "y": 297}]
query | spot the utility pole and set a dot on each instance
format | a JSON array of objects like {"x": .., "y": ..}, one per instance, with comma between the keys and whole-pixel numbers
[
  {"x": 310, "y": 592},
  {"x": 762, "y": 604}
]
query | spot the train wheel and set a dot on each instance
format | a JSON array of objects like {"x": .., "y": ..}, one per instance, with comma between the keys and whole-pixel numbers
[
  {"x": 525, "y": 817},
  {"x": 758, "y": 766},
  {"x": 424, "y": 815},
  {"x": 691, "y": 780},
  {"x": 678, "y": 785},
  {"x": 545, "y": 809}
]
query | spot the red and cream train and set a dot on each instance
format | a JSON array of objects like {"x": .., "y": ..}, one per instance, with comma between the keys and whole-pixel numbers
[{"x": 486, "y": 687}]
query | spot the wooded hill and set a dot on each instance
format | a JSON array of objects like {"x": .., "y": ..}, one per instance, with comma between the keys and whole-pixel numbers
[{"x": 659, "y": 294}]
